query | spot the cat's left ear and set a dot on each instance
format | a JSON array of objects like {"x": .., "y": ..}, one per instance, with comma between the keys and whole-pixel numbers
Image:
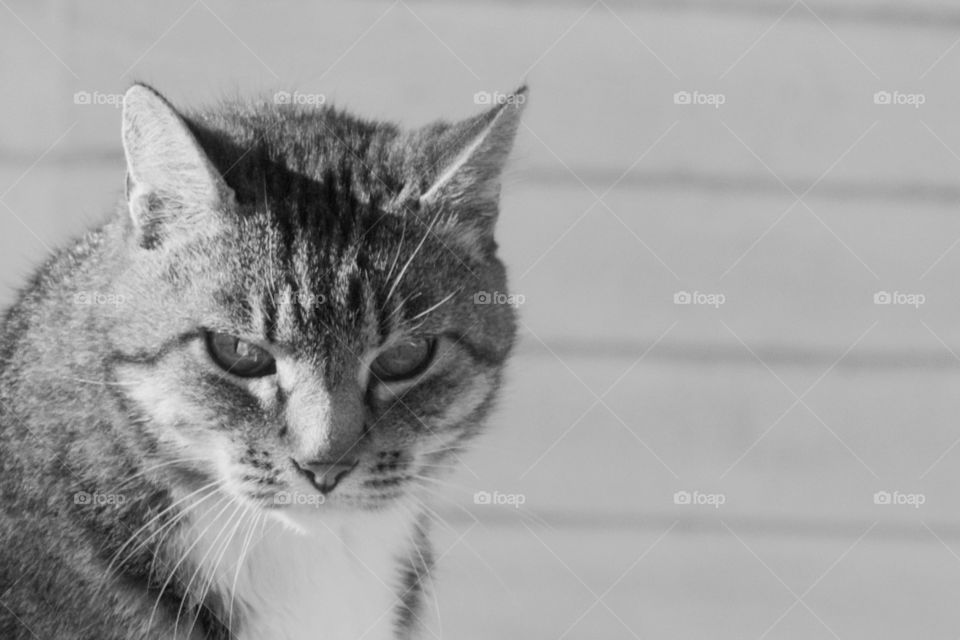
[
  {"x": 172, "y": 187},
  {"x": 462, "y": 164}
]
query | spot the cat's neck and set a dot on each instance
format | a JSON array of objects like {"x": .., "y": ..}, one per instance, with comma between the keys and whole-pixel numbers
[{"x": 331, "y": 576}]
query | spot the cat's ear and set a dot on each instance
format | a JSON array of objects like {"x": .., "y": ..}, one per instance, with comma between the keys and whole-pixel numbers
[
  {"x": 464, "y": 162},
  {"x": 172, "y": 187}
]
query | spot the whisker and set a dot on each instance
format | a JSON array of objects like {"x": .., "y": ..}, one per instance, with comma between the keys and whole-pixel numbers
[
  {"x": 445, "y": 467},
  {"x": 213, "y": 573},
  {"x": 439, "y": 496},
  {"x": 442, "y": 483},
  {"x": 103, "y": 383},
  {"x": 431, "y": 513},
  {"x": 156, "y": 466},
  {"x": 257, "y": 518},
  {"x": 416, "y": 251},
  {"x": 524, "y": 513},
  {"x": 186, "y": 553},
  {"x": 199, "y": 568},
  {"x": 134, "y": 535},
  {"x": 424, "y": 584},
  {"x": 170, "y": 529},
  {"x": 521, "y": 513},
  {"x": 436, "y": 306},
  {"x": 396, "y": 257},
  {"x": 464, "y": 541}
]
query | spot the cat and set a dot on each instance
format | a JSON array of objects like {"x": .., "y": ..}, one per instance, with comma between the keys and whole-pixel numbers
[{"x": 223, "y": 411}]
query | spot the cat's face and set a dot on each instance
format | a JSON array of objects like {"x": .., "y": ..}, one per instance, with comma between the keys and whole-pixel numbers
[{"x": 308, "y": 336}]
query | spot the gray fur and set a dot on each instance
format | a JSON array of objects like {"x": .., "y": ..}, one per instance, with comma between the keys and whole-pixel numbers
[{"x": 368, "y": 229}]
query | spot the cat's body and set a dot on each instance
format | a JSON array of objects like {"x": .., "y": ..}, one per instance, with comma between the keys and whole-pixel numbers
[{"x": 221, "y": 411}]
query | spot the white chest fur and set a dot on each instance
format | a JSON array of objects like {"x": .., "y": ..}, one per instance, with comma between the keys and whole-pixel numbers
[{"x": 326, "y": 576}]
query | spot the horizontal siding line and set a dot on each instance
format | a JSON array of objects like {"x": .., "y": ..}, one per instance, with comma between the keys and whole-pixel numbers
[
  {"x": 81, "y": 156},
  {"x": 884, "y": 14},
  {"x": 744, "y": 525},
  {"x": 600, "y": 178},
  {"x": 702, "y": 354},
  {"x": 749, "y": 184}
]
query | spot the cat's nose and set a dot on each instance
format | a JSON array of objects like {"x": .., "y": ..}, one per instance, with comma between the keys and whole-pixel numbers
[{"x": 325, "y": 476}]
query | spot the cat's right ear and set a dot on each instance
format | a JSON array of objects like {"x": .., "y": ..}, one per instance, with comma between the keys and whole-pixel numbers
[{"x": 172, "y": 187}]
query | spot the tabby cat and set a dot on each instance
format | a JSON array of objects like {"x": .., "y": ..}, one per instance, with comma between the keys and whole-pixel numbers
[{"x": 222, "y": 412}]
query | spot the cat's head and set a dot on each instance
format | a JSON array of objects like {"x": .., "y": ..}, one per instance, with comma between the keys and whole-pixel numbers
[{"x": 308, "y": 310}]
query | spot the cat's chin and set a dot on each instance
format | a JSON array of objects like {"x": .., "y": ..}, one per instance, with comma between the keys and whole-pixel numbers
[
  {"x": 311, "y": 506},
  {"x": 375, "y": 502},
  {"x": 340, "y": 509}
]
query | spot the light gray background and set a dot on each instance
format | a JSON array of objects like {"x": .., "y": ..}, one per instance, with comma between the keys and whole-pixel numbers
[{"x": 797, "y": 199}]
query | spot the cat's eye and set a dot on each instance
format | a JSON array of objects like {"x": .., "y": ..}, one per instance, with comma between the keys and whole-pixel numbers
[
  {"x": 239, "y": 357},
  {"x": 404, "y": 360}
]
